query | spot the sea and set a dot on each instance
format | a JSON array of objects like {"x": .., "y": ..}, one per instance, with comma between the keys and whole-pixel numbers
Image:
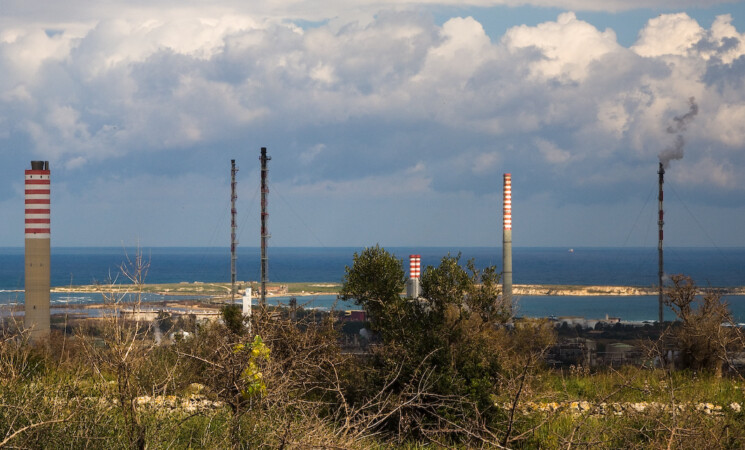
[{"x": 716, "y": 267}]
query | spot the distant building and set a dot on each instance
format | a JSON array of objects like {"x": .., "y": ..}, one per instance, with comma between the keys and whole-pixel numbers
[{"x": 354, "y": 315}]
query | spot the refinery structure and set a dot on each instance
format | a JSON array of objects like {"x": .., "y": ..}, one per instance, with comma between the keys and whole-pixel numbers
[{"x": 37, "y": 246}]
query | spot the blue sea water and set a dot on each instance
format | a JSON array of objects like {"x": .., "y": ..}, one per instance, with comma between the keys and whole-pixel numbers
[{"x": 583, "y": 266}]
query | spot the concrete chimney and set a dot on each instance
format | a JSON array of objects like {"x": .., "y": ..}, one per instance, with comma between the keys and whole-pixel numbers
[
  {"x": 413, "y": 290},
  {"x": 507, "y": 239},
  {"x": 247, "y": 302},
  {"x": 37, "y": 253}
]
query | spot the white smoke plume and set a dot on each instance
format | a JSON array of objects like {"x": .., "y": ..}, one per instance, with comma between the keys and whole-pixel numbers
[{"x": 675, "y": 150}]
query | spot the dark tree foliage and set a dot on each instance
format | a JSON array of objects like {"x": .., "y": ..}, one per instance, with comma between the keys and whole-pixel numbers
[
  {"x": 232, "y": 315},
  {"x": 375, "y": 281},
  {"x": 165, "y": 321},
  {"x": 452, "y": 333},
  {"x": 471, "y": 291}
]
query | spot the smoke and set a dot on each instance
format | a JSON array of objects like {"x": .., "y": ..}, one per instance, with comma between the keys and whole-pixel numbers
[{"x": 680, "y": 123}]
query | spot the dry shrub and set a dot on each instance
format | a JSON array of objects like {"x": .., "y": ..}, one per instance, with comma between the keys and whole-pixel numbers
[{"x": 705, "y": 334}]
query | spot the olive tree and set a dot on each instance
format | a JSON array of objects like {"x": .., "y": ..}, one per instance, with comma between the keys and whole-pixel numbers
[
  {"x": 375, "y": 281},
  {"x": 449, "y": 340}
]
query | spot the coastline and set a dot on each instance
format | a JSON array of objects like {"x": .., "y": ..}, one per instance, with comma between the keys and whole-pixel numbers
[{"x": 222, "y": 290}]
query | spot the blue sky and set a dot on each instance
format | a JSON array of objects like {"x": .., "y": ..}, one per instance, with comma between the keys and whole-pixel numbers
[{"x": 388, "y": 122}]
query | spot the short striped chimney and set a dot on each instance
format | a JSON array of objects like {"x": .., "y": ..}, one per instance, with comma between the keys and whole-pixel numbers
[
  {"x": 413, "y": 289},
  {"x": 507, "y": 239},
  {"x": 37, "y": 253}
]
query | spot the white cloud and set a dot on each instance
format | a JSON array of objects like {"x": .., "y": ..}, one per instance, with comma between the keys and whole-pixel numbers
[
  {"x": 463, "y": 48},
  {"x": 728, "y": 124},
  {"x": 567, "y": 46},
  {"x": 669, "y": 34},
  {"x": 728, "y": 44},
  {"x": 708, "y": 172},
  {"x": 137, "y": 85},
  {"x": 352, "y": 102}
]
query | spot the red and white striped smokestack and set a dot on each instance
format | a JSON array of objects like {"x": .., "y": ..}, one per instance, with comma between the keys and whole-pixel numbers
[
  {"x": 412, "y": 286},
  {"x": 414, "y": 266},
  {"x": 37, "y": 252},
  {"x": 507, "y": 239},
  {"x": 507, "y": 211},
  {"x": 37, "y": 204}
]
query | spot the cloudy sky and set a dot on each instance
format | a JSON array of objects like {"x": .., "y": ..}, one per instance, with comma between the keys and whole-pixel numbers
[{"x": 388, "y": 121}]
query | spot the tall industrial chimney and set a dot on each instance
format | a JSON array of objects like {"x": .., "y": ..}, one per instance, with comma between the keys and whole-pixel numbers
[
  {"x": 413, "y": 289},
  {"x": 247, "y": 302},
  {"x": 264, "y": 226},
  {"x": 37, "y": 231},
  {"x": 507, "y": 240},
  {"x": 660, "y": 223}
]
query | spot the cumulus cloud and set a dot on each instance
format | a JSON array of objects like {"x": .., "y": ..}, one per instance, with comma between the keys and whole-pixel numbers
[
  {"x": 126, "y": 84},
  {"x": 655, "y": 38},
  {"x": 568, "y": 46},
  {"x": 355, "y": 106},
  {"x": 708, "y": 172}
]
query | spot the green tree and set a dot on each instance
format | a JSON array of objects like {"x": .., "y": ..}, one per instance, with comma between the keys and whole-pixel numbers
[
  {"x": 462, "y": 313},
  {"x": 375, "y": 281},
  {"x": 448, "y": 342},
  {"x": 468, "y": 290},
  {"x": 233, "y": 318}
]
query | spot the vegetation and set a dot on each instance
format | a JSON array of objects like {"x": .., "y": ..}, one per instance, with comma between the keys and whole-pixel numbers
[
  {"x": 699, "y": 335},
  {"x": 450, "y": 369}
]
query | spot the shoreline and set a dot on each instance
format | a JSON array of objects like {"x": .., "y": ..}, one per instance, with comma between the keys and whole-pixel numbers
[{"x": 222, "y": 290}]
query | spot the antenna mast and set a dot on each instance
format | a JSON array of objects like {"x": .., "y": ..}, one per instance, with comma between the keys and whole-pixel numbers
[
  {"x": 233, "y": 227},
  {"x": 264, "y": 226},
  {"x": 660, "y": 223}
]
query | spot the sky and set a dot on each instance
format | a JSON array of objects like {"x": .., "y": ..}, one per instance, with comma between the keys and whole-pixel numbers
[{"x": 388, "y": 122}]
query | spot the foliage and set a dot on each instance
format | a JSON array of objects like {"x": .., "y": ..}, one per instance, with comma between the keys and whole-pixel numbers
[
  {"x": 706, "y": 333},
  {"x": 448, "y": 371},
  {"x": 449, "y": 342},
  {"x": 232, "y": 316},
  {"x": 253, "y": 379},
  {"x": 375, "y": 281},
  {"x": 164, "y": 321}
]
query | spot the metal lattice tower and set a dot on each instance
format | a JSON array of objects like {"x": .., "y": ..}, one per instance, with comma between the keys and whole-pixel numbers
[
  {"x": 233, "y": 227},
  {"x": 264, "y": 225},
  {"x": 660, "y": 223}
]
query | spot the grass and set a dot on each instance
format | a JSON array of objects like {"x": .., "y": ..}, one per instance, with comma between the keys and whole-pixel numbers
[{"x": 631, "y": 384}]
